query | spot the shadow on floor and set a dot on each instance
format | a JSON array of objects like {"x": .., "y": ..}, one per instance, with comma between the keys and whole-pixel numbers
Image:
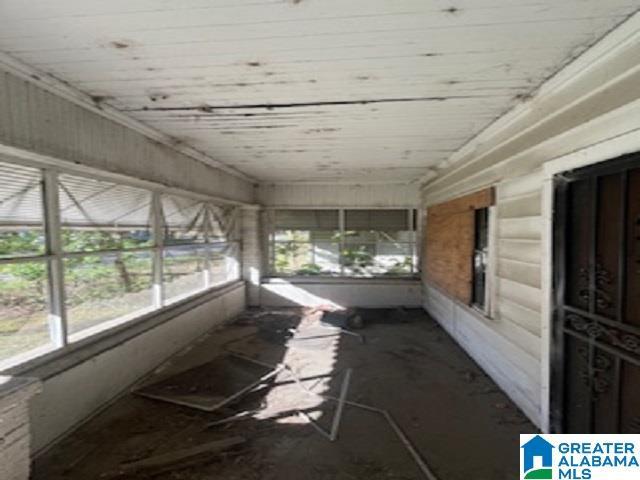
[{"x": 462, "y": 424}]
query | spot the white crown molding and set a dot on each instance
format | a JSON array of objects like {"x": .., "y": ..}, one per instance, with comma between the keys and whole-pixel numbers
[
  {"x": 614, "y": 44},
  {"x": 64, "y": 90}
]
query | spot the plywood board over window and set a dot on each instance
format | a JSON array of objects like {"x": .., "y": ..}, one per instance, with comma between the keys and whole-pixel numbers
[{"x": 449, "y": 243}]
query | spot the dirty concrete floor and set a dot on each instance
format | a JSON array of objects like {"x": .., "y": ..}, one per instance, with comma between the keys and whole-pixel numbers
[{"x": 462, "y": 424}]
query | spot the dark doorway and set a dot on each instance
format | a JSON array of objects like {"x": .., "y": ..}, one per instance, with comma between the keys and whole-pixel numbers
[{"x": 596, "y": 343}]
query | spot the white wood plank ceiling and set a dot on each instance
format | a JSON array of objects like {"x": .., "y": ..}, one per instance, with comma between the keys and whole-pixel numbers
[{"x": 309, "y": 90}]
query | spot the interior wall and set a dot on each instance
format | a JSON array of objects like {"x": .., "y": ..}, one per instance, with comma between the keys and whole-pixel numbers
[
  {"x": 76, "y": 392},
  {"x": 37, "y": 121},
  {"x": 589, "y": 112},
  {"x": 374, "y": 293}
]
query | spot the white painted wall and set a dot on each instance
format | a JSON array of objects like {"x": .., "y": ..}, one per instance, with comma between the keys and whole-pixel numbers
[
  {"x": 340, "y": 293},
  {"x": 37, "y": 121},
  {"x": 74, "y": 394},
  {"x": 252, "y": 254},
  {"x": 590, "y": 112}
]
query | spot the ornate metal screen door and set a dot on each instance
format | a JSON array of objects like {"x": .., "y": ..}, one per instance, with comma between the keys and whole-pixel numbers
[{"x": 596, "y": 344}]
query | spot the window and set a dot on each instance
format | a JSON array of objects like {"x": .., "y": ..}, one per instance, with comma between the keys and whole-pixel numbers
[
  {"x": 306, "y": 242},
  {"x": 24, "y": 268},
  {"x": 480, "y": 255},
  {"x": 353, "y": 243},
  {"x": 79, "y": 254},
  {"x": 107, "y": 247},
  {"x": 199, "y": 245},
  {"x": 456, "y": 247},
  {"x": 378, "y": 242}
]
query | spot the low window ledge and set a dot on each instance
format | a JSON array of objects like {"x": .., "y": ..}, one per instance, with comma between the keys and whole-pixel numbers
[
  {"x": 65, "y": 358},
  {"x": 320, "y": 280}
]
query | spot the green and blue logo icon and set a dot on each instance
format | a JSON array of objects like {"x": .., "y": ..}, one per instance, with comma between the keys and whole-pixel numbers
[{"x": 537, "y": 459}]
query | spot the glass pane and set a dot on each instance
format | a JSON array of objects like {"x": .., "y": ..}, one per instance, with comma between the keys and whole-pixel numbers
[
  {"x": 372, "y": 236},
  {"x": 326, "y": 258},
  {"x": 358, "y": 260},
  {"x": 378, "y": 259},
  {"x": 306, "y": 220},
  {"x": 379, "y": 220},
  {"x": 223, "y": 223},
  {"x": 193, "y": 221},
  {"x": 395, "y": 259},
  {"x": 319, "y": 258},
  {"x": 291, "y": 257},
  {"x": 184, "y": 271},
  {"x": 224, "y": 266},
  {"x": 113, "y": 286},
  {"x": 292, "y": 235},
  {"x": 97, "y": 215},
  {"x": 23, "y": 309},
  {"x": 307, "y": 235},
  {"x": 21, "y": 216}
]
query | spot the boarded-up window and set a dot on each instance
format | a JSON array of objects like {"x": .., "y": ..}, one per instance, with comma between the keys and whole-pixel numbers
[{"x": 449, "y": 243}]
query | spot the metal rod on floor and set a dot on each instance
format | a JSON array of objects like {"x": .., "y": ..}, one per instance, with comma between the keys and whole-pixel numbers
[
  {"x": 409, "y": 446},
  {"x": 205, "y": 408},
  {"x": 343, "y": 397},
  {"x": 390, "y": 420},
  {"x": 233, "y": 418},
  {"x": 302, "y": 386},
  {"x": 250, "y": 387},
  {"x": 313, "y": 423},
  {"x": 250, "y": 359}
]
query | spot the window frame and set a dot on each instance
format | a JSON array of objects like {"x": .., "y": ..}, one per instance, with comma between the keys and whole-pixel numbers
[
  {"x": 480, "y": 259},
  {"x": 413, "y": 222},
  {"x": 54, "y": 255}
]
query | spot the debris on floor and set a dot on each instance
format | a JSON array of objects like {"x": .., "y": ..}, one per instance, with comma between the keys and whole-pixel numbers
[
  {"x": 293, "y": 393},
  {"x": 178, "y": 458}
]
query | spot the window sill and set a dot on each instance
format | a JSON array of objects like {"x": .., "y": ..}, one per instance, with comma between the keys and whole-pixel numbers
[
  {"x": 52, "y": 362},
  {"x": 341, "y": 280}
]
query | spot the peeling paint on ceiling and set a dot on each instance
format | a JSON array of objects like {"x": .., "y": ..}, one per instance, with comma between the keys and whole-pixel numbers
[{"x": 300, "y": 90}]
